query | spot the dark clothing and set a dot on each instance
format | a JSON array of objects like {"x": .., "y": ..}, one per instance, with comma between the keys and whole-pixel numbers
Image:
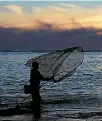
[{"x": 35, "y": 78}]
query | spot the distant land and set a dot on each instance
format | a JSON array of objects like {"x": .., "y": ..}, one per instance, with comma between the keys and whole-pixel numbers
[{"x": 12, "y": 39}]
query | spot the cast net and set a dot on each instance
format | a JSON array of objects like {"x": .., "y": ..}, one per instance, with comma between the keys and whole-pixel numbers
[{"x": 60, "y": 64}]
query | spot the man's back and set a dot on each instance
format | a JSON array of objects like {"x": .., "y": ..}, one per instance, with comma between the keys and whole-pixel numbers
[{"x": 35, "y": 78}]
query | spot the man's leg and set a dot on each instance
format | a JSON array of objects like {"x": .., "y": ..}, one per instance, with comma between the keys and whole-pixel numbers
[{"x": 36, "y": 105}]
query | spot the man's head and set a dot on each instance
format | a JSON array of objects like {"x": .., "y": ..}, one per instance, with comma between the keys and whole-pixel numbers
[{"x": 35, "y": 65}]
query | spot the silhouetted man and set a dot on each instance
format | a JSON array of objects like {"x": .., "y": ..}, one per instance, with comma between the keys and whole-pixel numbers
[{"x": 35, "y": 78}]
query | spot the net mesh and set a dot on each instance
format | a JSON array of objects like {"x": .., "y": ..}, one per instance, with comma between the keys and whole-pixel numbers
[{"x": 60, "y": 64}]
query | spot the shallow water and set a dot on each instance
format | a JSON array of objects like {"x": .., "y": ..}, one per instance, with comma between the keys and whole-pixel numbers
[{"x": 80, "y": 93}]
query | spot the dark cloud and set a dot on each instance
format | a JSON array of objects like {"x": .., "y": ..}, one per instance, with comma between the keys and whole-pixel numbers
[{"x": 13, "y": 39}]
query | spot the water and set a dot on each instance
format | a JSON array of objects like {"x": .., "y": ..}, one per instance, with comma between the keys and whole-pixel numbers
[{"x": 80, "y": 93}]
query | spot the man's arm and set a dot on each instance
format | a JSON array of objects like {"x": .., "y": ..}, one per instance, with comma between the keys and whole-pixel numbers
[{"x": 46, "y": 79}]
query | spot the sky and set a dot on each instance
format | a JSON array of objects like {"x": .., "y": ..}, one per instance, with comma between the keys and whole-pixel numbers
[
  {"x": 40, "y": 25},
  {"x": 56, "y": 15}
]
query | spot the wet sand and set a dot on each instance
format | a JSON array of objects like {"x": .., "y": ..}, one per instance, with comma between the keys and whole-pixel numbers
[
  {"x": 56, "y": 116},
  {"x": 30, "y": 118}
]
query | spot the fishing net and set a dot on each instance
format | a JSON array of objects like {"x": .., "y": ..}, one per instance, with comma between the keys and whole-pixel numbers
[{"x": 60, "y": 64}]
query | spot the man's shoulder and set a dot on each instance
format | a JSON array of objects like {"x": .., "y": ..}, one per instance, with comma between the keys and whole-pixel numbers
[{"x": 35, "y": 71}]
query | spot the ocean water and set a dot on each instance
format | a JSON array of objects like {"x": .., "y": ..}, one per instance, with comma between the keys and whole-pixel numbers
[{"x": 81, "y": 93}]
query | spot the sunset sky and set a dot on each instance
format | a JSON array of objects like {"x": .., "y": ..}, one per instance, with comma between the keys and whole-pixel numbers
[
  {"x": 50, "y": 25},
  {"x": 60, "y": 15}
]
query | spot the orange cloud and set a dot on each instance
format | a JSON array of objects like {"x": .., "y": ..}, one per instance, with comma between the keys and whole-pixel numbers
[
  {"x": 61, "y": 16},
  {"x": 14, "y": 8}
]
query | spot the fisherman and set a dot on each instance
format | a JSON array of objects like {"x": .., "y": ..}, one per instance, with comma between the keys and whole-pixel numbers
[{"x": 35, "y": 78}]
